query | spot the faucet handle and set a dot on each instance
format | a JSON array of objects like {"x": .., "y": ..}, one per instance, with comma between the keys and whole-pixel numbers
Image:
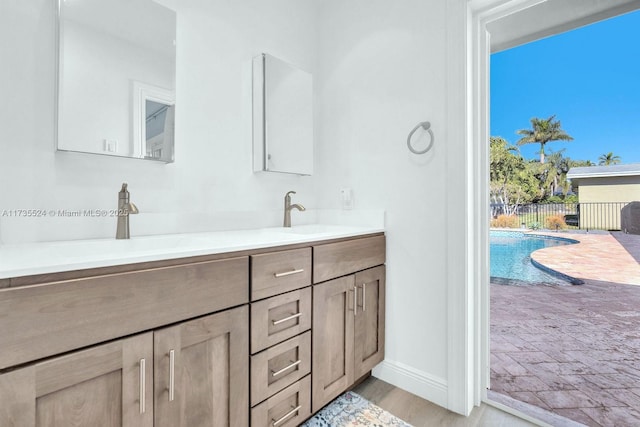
[{"x": 131, "y": 208}]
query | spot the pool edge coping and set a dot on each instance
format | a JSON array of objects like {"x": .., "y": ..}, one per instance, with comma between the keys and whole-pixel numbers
[{"x": 549, "y": 270}]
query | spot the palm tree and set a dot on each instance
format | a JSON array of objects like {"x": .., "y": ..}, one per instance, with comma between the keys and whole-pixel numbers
[
  {"x": 556, "y": 172},
  {"x": 608, "y": 159},
  {"x": 541, "y": 132}
]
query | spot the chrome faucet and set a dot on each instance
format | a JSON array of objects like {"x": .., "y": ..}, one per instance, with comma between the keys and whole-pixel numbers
[
  {"x": 125, "y": 207},
  {"x": 287, "y": 208}
]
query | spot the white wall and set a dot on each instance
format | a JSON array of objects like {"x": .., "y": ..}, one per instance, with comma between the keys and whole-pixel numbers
[
  {"x": 382, "y": 70},
  {"x": 212, "y": 177}
]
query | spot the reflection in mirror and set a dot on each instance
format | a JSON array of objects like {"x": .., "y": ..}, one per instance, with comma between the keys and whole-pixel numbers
[
  {"x": 159, "y": 131},
  {"x": 153, "y": 122},
  {"x": 116, "y": 61},
  {"x": 283, "y": 117}
]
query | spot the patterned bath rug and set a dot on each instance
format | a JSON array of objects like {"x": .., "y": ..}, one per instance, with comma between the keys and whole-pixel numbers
[{"x": 353, "y": 410}]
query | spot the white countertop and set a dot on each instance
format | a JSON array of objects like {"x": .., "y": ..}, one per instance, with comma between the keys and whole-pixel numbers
[{"x": 51, "y": 257}]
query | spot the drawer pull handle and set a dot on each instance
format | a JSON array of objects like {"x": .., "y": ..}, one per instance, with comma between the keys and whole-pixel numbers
[
  {"x": 293, "y": 316},
  {"x": 142, "y": 385},
  {"x": 286, "y": 368},
  {"x": 285, "y": 416},
  {"x": 364, "y": 297},
  {"x": 172, "y": 374},
  {"x": 289, "y": 273}
]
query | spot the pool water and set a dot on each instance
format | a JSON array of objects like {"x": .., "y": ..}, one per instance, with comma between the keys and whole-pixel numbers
[{"x": 510, "y": 254}]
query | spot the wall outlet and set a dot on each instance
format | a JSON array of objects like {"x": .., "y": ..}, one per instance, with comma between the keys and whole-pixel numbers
[
  {"x": 346, "y": 195},
  {"x": 111, "y": 145}
]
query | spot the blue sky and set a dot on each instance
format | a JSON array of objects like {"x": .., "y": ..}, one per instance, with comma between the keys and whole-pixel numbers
[{"x": 589, "y": 78}]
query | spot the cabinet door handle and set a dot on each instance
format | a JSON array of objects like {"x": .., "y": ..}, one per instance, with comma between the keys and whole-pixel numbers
[
  {"x": 293, "y": 316},
  {"x": 172, "y": 374},
  {"x": 276, "y": 373},
  {"x": 275, "y": 423},
  {"x": 364, "y": 297},
  {"x": 289, "y": 273},
  {"x": 142, "y": 365},
  {"x": 355, "y": 300}
]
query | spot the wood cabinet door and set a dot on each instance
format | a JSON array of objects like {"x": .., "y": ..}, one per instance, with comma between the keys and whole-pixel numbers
[
  {"x": 202, "y": 372},
  {"x": 369, "y": 320},
  {"x": 333, "y": 318},
  {"x": 107, "y": 386}
]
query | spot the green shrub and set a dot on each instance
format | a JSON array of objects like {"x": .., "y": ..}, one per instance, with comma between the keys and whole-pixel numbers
[
  {"x": 554, "y": 199},
  {"x": 571, "y": 198},
  {"x": 506, "y": 221},
  {"x": 535, "y": 225}
]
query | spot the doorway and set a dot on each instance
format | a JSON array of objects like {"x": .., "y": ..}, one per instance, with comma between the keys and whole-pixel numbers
[{"x": 495, "y": 26}]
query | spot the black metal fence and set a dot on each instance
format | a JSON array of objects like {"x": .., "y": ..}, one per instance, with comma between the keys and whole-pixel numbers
[{"x": 585, "y": 216}]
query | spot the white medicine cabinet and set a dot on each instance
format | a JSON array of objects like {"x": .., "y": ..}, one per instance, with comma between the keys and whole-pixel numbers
[{"x": 282, "y": 117}]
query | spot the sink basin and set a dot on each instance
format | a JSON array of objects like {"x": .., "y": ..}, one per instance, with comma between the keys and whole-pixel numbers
[{"x": 314, "y": 229}]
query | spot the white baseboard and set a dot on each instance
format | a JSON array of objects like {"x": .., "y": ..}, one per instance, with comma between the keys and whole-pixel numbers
[{"x": 429, "y": 387}]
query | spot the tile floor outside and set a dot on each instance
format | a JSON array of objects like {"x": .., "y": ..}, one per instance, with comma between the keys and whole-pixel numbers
[{"x": 574, "y": 350}]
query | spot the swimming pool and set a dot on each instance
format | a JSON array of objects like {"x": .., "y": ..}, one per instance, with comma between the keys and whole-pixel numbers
[{"x": 510, "y": 254}]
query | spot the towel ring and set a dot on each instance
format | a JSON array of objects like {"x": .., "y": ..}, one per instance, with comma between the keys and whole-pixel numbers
[{"x": 426, "y": 126}]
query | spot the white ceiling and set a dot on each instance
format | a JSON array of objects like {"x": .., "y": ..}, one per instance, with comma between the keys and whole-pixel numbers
[{"x": 552, "y": 17}]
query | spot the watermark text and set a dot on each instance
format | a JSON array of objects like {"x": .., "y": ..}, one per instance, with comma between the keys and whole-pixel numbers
[{"x": 61, "y": 213}]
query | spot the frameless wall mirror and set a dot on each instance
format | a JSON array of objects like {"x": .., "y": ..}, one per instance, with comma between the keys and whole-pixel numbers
[
  {"x": 282, "y": 117},
  {"x": 116, "y": 78}
]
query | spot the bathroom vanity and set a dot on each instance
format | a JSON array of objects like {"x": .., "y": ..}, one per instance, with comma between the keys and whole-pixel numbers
[{"x": 241, "y": 335}]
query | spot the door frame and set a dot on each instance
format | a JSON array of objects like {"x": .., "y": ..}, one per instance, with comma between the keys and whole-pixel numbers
[
  {"x": 468, "y": 287},
  {"x": 482, "y": 13}
]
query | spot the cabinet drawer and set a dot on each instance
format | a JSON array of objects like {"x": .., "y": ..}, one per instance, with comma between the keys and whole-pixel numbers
[
  {"x": 338, "y": 259},
  {"x": 278, "y": 318},
  {"x": 279, "y": 272},
  {"x": 279, "y": 366},
  {"x": 52, "y": 318},
  {"x": 288, "y": 408}
]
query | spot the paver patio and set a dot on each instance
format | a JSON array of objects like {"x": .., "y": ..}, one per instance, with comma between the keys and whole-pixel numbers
[
  {"x": 572, "y": 350},
  {"x": 597, "y": 257}
]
